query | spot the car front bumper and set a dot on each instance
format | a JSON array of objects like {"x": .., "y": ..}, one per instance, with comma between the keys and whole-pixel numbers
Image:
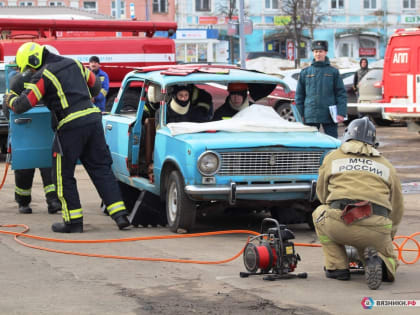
[{"x": 232, "y": 190}]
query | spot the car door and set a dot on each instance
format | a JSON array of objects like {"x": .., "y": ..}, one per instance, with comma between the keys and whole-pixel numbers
[
  {"x": 122, "y": 131},
  {"x": 31, "y": 138}
]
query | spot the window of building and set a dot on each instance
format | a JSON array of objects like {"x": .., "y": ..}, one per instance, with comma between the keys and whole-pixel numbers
[
  {"x": 202, "y": 5},
  {"x": 1, "y": 4},
  {"x": 25, "y": 4},
  {"x": 337, "y": 4},
  {"x": 271, "y": 4},
  {"x": 113, "y": 9},
  {"x": 56, "y": 4},
  {"x": 90, "y": 6},
  {"x": 160, "y": 6},
  {"x": 409, "y": 4},
  {"x": 369, "y": 4}
]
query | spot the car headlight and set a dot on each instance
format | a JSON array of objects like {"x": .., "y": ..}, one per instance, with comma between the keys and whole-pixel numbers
[{"x": 208, "y": 163}]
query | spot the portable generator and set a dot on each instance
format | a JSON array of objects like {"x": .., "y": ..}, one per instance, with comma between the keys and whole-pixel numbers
[{"x": 272, "y": 253}]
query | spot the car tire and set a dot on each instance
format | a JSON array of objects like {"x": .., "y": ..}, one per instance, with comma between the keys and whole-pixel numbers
[
  {"x": 285, "y": 111},
  {"x": 148, "y": 215},
  {"x": 180, "y": 209},
  {"x": 382, "y": 122}
]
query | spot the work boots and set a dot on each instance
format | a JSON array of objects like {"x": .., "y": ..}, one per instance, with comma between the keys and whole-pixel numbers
[
  {"x": 121, "y": 220},
  {"x": 25, "y": 209},
  {"x": 76, "y": 226},
  {"x": 54, "y": 205},
  {"x": 373, "y": 268},
  {"x": 339, "y": 274}
]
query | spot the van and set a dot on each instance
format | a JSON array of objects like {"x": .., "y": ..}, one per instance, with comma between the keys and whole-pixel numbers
[{"x": 401, "y": 79}]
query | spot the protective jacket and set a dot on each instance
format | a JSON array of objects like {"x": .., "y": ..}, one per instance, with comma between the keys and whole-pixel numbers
[
  {"x": 199, "y": 109},
  {"x": 66, "y": 88},
  {"x": 61, "y": 83},
  {"x": 227, "y": 111},
  {"x": 100, "y": 99},
  {"x": 320, "y": 86},
  {"x": 357, "y": 172}
]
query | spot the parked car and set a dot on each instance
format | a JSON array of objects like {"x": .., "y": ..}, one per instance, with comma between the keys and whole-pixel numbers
[
  {"x": 347, "y": 75},
  {"x": 370, "y": 91},
  {"x": 254, "y": 161}
]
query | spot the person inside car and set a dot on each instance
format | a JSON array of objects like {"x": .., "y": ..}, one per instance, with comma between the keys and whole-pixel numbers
[
  {"x": 189, "y": 103},
  {"x": 235, "y": 101}
]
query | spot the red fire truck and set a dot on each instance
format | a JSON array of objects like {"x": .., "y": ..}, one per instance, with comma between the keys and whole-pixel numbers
[
  {"x": 118, "y": 55},
  {"x": 401, "y": 80},
  {"x": 79, "y": 39}
]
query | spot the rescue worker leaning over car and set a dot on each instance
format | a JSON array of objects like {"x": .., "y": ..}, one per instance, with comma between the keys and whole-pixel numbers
[
  {"x": 189, "y": 103},
  {"x": 236, "y": 101},
  {"x": 362, "y": 206},
  {"x": 66, "y": 87}
]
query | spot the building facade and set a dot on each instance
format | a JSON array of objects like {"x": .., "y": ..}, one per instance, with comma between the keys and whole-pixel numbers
[
  {"x": 353, "y": 28},
  {"x": 152, "y": 10}
]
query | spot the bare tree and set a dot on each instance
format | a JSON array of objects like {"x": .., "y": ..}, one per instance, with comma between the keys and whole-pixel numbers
[
  {"x": 303, "y": 14},
  {"x": 229, "y": 10}
]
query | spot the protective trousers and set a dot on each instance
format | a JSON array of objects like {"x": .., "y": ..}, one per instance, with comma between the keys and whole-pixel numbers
[
  {"x": 333, "y": 234},
  {"x": 88, "y": 145},
  {"x": 23, "y": 185}
]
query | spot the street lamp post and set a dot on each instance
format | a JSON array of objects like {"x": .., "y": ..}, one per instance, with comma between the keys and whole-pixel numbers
[{"x": 242, "y": 33}]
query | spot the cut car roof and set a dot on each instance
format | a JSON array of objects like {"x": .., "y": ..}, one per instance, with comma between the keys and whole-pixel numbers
[{"x": 168, "y": 75}]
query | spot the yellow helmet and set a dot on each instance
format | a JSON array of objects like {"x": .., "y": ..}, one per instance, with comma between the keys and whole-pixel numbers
[{"x": 29, "y": 54}]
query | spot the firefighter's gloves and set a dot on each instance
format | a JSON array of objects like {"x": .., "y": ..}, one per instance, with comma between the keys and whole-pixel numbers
[
  {"x": 7, "y": 103},
  {"x": 17, "y": 82}
]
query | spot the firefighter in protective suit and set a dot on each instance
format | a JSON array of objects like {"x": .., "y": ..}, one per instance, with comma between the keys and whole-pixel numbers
[
  {"x": 362, "y": 206},
  {"x": 24, "y": 178},
  {"x": 189, "y": 104},
  {"x": 67, "y": 87}
]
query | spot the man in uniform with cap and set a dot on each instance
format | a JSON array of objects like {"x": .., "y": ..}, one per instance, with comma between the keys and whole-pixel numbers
[
  {"x": 319, "y": 87},
  {"x": 236, "y": 101},
  {"x": 362, "y": 206}
]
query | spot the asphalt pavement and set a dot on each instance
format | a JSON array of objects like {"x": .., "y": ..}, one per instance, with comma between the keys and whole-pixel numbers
[{"x": 35, "y": 281}]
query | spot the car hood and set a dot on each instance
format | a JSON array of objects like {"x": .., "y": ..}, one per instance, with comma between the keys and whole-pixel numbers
[{"x": 227, "y": 140}]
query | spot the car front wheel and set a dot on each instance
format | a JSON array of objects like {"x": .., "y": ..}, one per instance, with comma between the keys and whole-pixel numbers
[{"x": 180, "y": 209}]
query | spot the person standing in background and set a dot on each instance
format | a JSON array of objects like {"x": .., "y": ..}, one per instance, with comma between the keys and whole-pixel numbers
[
  {"x": 364, "y": 69},
  {"x": 319, "y": 88},
  {"x": 100, "y": 99}
]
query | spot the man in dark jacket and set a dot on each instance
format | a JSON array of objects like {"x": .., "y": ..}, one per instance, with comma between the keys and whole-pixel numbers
[
  {"x": 320, "y": 90},
  {"x": 66, "y": 88},
  {"x": 235, "y": 101}
]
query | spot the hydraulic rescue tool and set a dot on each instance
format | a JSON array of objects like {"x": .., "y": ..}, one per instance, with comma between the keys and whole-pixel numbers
[{"x": 274, "y": 254}]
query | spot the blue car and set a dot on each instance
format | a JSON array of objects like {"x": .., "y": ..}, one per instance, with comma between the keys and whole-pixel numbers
[{"x": 171, "y": 171}]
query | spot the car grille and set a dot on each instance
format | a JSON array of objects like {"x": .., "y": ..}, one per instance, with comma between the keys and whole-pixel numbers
[{"x": 270, "y": 163}]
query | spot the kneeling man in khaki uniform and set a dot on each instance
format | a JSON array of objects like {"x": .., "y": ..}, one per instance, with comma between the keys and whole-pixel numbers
[{"x": 362, "y": 205}]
